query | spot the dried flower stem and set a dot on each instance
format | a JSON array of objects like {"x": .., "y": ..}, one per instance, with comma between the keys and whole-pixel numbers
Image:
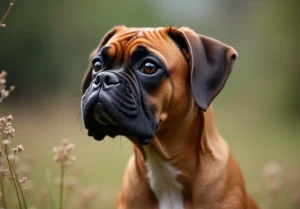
[
  {"x": 62, "y": 172},
  {"x": 4, "y": 204},
  {"x": 5, "y": 15},
  {"x": 62, "y": 156},
  {"x": 12, "y": 176}
]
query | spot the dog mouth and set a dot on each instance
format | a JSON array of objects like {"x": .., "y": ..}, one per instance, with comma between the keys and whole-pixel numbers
[
  {"x": 117, "y": 110},
  {"x": 101, "y": 116}
]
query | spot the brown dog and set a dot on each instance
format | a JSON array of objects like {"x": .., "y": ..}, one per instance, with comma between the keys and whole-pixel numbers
[{"x": 155, "y": 86}]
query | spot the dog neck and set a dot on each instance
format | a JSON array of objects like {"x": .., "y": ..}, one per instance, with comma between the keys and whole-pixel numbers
[{"x": 176, "y": 159}]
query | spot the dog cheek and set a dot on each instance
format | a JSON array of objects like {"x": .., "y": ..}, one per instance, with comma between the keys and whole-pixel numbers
[{"x": 159, "y": 100}]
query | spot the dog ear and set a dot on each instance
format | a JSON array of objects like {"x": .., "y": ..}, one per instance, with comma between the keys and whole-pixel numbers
[
  {"x": 210, "y": 61},
  {"x": 87, "y": 78}
]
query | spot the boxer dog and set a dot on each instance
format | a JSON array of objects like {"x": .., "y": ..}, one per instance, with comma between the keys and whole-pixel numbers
[{"x": 155, "y": 86}]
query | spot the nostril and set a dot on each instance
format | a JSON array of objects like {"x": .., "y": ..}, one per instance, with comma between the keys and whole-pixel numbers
[
  {"x": 107, "y": 80},
  {"x": 96, "y": 82},
  {"x": 111, "y": 79}
]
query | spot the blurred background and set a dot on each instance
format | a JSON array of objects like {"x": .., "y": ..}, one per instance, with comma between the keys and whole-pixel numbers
[{"x": 45, "y": 48}]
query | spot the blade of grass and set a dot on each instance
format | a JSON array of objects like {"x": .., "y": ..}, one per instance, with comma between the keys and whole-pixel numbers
[
  {"x": 51, "y": 199},
  {"x": 21, "y": 191},
  {"x": 61, "y": 197}
]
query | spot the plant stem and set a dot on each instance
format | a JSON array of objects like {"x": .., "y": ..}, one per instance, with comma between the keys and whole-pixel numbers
[
  {"x": 8, "y": 10},
  {"x": 21, "y": 191},
  {"x": 12, "y": 176},
  {"x": 3, "y": 194},
  {"x": 62, "y": 170}
]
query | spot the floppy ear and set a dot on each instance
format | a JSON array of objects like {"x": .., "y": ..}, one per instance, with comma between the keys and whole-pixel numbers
[
  {"x": 87, "y": 78},
  {"x": 210, "y": 61}
]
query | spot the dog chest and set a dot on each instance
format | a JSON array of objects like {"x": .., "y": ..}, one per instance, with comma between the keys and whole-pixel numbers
[{"x": 162, "y": 179}]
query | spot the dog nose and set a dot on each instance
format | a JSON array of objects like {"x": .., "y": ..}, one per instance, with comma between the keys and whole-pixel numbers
[{"x": 105, "y": 80}]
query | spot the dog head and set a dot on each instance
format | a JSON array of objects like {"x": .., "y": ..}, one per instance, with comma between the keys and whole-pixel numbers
[{"x": 139, "y": 78}]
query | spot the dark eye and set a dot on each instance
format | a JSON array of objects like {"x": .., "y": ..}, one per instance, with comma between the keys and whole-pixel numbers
[
  {"x": 149, "y": 68},
  {"x": 97, "y": 64}
]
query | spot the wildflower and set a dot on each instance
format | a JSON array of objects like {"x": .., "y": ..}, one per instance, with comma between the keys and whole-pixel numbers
[
  {"x": 62, "y": 154},
  {"x": 6, "y": 129},
  {"x": 9, "y": 118},
  {"x": 23, "y": 180},
  {"x": 3, "y": 74},
  {"x": 3, "y": 91},
  {"x": 18, "y": 149}
]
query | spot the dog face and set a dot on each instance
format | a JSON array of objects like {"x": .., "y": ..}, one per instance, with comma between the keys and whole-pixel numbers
[{"x": 139, "y": 78}]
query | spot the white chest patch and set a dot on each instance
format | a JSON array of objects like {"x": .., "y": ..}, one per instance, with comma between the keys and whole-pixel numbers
[{"x": 162, "y": 177}]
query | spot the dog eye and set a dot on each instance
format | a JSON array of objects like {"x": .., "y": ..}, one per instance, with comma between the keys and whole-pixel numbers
[
  {"x": 149, "y": 68},
  {"x": 97, "y": 64}
]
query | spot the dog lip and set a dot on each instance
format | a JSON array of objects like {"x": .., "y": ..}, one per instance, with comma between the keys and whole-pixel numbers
[{"x": 101, "y": 116}]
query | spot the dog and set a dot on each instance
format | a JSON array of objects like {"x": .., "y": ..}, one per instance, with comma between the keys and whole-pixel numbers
[{"x": 155, "y": 86}]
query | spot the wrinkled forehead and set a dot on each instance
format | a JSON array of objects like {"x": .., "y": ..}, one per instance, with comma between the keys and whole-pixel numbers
[{"x": 124, "y": 43}]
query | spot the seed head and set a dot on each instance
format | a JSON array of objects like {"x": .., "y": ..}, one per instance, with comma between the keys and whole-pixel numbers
[
  {"x": 23, "y": 180},
  {"x": 62, "y": 154},
  {"x": 9, "y": 118},
  {"x": 4, "y": 92},
  {"x": 19, "y": 148},
  {"x": 6, "y": 129},
  {"x": 3, "y": 74}
]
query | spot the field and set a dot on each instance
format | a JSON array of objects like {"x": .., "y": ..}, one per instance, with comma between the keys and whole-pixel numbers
[{"x": 97, "y": 173}]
